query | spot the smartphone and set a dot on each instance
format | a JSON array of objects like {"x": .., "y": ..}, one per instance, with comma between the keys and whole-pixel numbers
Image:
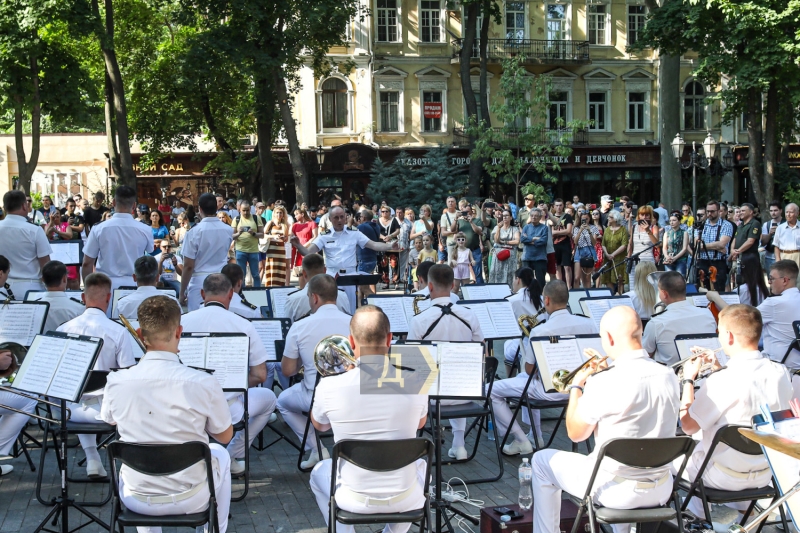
[
  {"x": 502, "y": 510},
  {"x": 490, "y": 205}
]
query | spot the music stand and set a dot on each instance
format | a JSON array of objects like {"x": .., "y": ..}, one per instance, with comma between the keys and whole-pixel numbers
[
  {"x": 39, "y": 375},
  {"x": 795, "y": 344},
  {"x": 358, "y": 280},
  {"x": 68, "y": 252}
]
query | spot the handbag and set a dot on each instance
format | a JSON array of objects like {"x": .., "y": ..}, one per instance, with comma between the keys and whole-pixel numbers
[
  {"x": 586, "y": 256},
  {"x": 503, "y": 254}
]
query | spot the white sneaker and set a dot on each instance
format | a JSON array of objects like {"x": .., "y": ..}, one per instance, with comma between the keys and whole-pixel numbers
[
  {"x": 459, "y": 453},
  {"x": 6, "y": 469},
  {"x": 313, "y": 458},
  {"x": 95, "y": 468},
  {"x": 237, "y": 467},
  {"x": 533, "y": 441},
  {"x": 273, "y": 418},
  {"x": 517, "y": 448}
]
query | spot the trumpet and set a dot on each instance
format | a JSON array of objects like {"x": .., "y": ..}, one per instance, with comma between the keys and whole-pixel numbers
[
  {"x": 418, "y": 298},
  {"x": 705, "y": 370},
  {"x": 129, "y": 327},
  {"x": 528, "y": 322},
  {"x": 333, "y": 355},
  {"x": 563, "y": 378}
]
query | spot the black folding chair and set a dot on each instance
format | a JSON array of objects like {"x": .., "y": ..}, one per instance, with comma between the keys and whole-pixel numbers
[
  {"x": 160, "y": 460},
  {"x": 381, "y": 456},
  {"x": 645, "y": 454},
  {"x": 728, "y": 435},
  {"x": 259, "y": 445},
  {"x": 308, "y": 428}
]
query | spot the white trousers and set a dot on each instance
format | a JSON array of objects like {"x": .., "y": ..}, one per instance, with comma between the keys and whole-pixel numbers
[
  {"x": 194, "y": 300},
  {"x": 86, "y": 414},
  {"x": 512, "y": 388},
  {"x": 291, "y": 404},
  {"x": 20, "y": 287},
  {"x": 554, "y": 471},
  {"x": 321, "y": 487},
  {"x": 260, "y": 405},
  {"x": 458, "y": 425},
  {"x": 11, "y": 423},
  {"x": 220, "y": 465},
  {"x": 273, "y": 371}
]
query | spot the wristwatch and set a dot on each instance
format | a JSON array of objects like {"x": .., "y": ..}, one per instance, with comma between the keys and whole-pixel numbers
[
  {"x": 685, "y": 381},
  {"x": 569, "y": 389}
]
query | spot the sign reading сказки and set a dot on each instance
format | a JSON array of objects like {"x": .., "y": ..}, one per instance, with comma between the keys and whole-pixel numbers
[{"x": 432, "y": 109}]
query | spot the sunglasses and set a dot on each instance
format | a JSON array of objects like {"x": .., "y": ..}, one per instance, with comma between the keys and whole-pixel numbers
[
  {"x": 382, "y": 211},
  {"x": 461, "y": 240}
]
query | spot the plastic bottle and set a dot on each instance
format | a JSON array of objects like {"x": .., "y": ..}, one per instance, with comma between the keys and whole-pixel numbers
[
  {"x": 490, "y": 431},
  {"x": 525, "y": 488}
]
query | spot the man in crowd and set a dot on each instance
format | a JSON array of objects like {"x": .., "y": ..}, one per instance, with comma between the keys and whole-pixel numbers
[
  {"x": 768, "y": 233},
  {"x": 712, "y": 247},
  {"x": 446, "y": 236},
  {"x": 562, "y": 242},
  {"x": 34, "y": 215},
  {"x": 47, "y": 208},
  {"x": 145, "y": 274},
  {"x": 606, "y": 205},
  {"x": 524, "y": 213},
  {"x": 747, "y": 235},
  {"x": 23, "y": 244},
  {"x": 63, "y": 307},
  {"x": 787, "y": 236},
  {"x": 170, "y": 266},
  {"x": 534, "y": 236},
  {"x": 93, "y": 214}
]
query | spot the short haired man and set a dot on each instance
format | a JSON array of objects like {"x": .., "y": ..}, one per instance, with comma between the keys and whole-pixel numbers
[
  {"x": 747, "y": 236},
  {"x": 525, "y": 212},
  {"x": 422, "y": 276},
  {"x": 116, "y": 352},
  {"x": 304, "y": 335},
  {"x": 533, "y": 237},
  {"x": 63, "y": 307},
  {"x": 562, "y": 242},
  {"x": 711, "y": 248},
  {"x": 239, "y": 303},
  {"x": 145, "y": 274},
  {"x": 170, "y": 266},
  {"x": 297, "y": 306},
  {"x": 93, "y": 214},
  {"x": 768, "y": 230},
  {"x": 340, "y": 405},
  {"x": 325, "y": 223},
  {"x": 734, "y": 396},
  {"x": 116, "y": 244},
  {"x": 215, "y": 317},
  {"x": 23, "y": 244},
  {"x": 446, "y": 236},
  {"x": 162, "y": 401},
  {"x": 606, "y": 205},
  {"x": 680, "y": 317},
  {"x": 787, "y": 236},
  {"x": 636, "y": 398}
]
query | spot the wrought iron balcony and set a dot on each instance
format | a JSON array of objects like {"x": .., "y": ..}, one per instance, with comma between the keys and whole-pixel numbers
[
  {"x": 546, "y": 136},
  {"x": 543, "y": 52}
]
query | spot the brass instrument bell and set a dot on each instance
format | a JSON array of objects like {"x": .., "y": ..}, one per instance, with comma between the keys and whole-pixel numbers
[
  {"x": 333, "y": 355},
  {"x": 563, "y": 378},
  {"x": 18, "y": 353}
]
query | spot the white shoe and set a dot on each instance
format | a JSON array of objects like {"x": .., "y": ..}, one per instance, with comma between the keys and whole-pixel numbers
[
  {"x": 533, "y": 441},
  {"x": 5, "y": 470},
  {"x": 313, "y": 458},
  {"x": 273, "y": 418},
  {"x": 95, "y": 468},
  {"x": 719, "y": 527},
  {"x": 237, "y": 467},
  {"x": 459, "y": 453},
  {"x": 517, "y": 448}
]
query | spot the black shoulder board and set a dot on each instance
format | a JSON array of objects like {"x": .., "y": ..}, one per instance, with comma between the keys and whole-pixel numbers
[
  {"x": 304, "y": 316},
  {"x": 248, "y": 304},
  {"x": 298, "y": 290},
  {"x": 76, "y": 300},
  {"x": 657, "y": 314}
]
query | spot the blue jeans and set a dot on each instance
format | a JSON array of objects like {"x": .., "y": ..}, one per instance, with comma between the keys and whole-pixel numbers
[
  {"x": 678, "y": 267},
  {"x": 174, "y": 285},
  {"x": 243, "y": 259},
  {"x": 478, "y": 268}
]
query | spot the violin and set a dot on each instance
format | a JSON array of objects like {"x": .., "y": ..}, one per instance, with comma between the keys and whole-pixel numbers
[
  {"x": 712, "y": 277},
  {"x": 701, "y": 279}
]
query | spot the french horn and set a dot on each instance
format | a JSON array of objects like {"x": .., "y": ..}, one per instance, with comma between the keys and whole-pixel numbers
[{"x": 333, "y": 355}]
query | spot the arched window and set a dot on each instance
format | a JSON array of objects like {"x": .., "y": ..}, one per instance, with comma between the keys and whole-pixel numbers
[
  {"x": 334, "y": 103},
  {"x": 694, "y": 107}
]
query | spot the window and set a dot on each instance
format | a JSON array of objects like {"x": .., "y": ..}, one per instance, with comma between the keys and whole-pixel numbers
[
  {"x": 557, "y": 114},
  {"x": 334, "y": 103},
  {"x": 636, "y": 109},
  {"x": 694, "y": 107},
  {"x": 556, "y": 22},
  {"x": 390, "y": 111},
  {"x": 515, "y": 21},
  {"x": 597, "y": 111},
  {"x": 596, "y": 20},
  {"x": 636, "y": 20},
  {"x": 387, "y": 21},
  {"x": 430, "y": 21},
  {"x": 432, "y": 122}
]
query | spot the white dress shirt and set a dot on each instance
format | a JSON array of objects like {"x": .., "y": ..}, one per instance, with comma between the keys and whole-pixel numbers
[
  {"x": 297, "y": 305},
  {"x": 340, "y": 249},
  {"x": 161, "y": 401},
  {"x": 425, "y": 291},
  {"x": 522, "y": 304},
  {"x": 207, "y": 243},
  {"x": 787, "y": 237},
  {"x": 679, "y": 318},
  {"x": 561, "y": 322},
  {"x": 129, "y": 305},
  {"x": 23, "y": 243},
  {"x": 304, "y": 335},
  {"x": 778, "y": 313},
  {"x": 117, "y": 243},
  {"x": 449, "y": 328},
  {"x": 63, "y": 308},
  {"x": 636, "y": 397},
  {"x": 117, "y": 351},
  {"x": 244, "y": 311}
]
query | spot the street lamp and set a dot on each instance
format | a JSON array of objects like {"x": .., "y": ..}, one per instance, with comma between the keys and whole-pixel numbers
[
  {"x": 320, "y": 156},
  {"x": 696, "y": 159}
]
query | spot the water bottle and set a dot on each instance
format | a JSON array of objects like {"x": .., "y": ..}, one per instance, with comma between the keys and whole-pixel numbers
[
  {"x": 525, "y": 476},
  {"x": 490, "y": 431}
]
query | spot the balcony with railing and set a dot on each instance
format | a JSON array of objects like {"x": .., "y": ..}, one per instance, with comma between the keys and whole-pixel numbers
[
  {"x": 535, "y": 51},
  {"x": 544, "y": 137}
]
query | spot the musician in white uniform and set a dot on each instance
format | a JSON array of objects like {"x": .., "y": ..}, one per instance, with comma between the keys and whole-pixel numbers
[
  {"x": 636, "y": 398},
  {"x": 339, "y": 247},
  {"x": 681, "y": 317},
  {"x": 11, "y": 422},
  {"x": 731, "y": 396},
  {"x": 162, "y": 401},
  {"x": 23, "y": 244},
  {"x": 204, "y": 251},
  {"x": 239, "y": 305},
  {"x": 422, "y": 276},
  {"x": 560, "y": 322},
  {"x": 526, "y": 300},
  {"x": 116, "y": 352},
  {"x": 297, "y": 301},
  {"x": 340, "y": 405},
  {"x": 325, "y": 320},
  {"x": 444, "y": 321},
  {"x": 63, "y": 307},
  {"x": 145, "y": 274},
  {"x": 118, "y": 242},
  {"x": 215, "y": 317}
]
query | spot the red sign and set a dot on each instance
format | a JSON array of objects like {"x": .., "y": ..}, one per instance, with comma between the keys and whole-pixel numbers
[{"x": 432, "y": 109}]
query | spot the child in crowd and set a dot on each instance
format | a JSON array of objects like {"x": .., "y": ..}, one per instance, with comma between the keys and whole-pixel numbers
[
  {"x": 427, "y": 253},
  {"x": 462, "y": 262}
]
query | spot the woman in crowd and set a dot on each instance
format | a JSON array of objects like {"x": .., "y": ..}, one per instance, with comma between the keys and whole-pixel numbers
[
  {"x": 390, "y": 229},
  {"x": 687, "y": 217},
  {"x": 165, "y": 210},
  {"x": 423, "y": 225},
  {"x": 643, "y": 294},
  {"x": 644, "y": 235},
  {"x": 58, "y": 229},
  {"x": 160, "y": 230},
  {"x": 306, "y": 230},
  {"x": 504, "y": 251},
  {"x": 615, "y": 242},
  {"x": 584, "y": 235},
  {"x": 676, "y": 246},
  {"x": 180, "y": 232},
  {"x": 752, "y": 289},
  {"x": 276, "y": 233},
  {"x": 597, "y": 221}
]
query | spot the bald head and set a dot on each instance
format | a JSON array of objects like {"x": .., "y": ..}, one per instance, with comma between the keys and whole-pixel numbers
[
  {"x": 369, "y": 331},
  {"x": 620, "y": 331}
]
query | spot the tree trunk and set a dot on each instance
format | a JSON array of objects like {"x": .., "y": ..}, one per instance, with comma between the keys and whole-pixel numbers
[
  {"x": 264, "y": 123},
  {"x": 111, "y": 131},
  {"x": 669, "y": 125},
  {"x": 755, "y": 134},
  {"x": 28, "y": 166},
  {"x": 770, "y": 147},
  {"x": 470, "y": 103},
  {"x": 484, "y": 82},
  {"x": 211, "y": 123},
  {"x": 295, "y": 155}
]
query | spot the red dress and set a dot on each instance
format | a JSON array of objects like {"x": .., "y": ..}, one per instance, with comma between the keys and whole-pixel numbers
[
  {"x": 166, "y": 212},
  {"x": 304, "y": 232}
]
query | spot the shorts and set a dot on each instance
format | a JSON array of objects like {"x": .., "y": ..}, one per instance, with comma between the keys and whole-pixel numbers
[
  {"x": 563, "y": 254},
  {"x": 262, "y": 256},
  {"x": 368, "y": 267}
]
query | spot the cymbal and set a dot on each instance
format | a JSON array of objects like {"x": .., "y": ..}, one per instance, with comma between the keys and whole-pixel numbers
[{"x": 771, "y": 440}]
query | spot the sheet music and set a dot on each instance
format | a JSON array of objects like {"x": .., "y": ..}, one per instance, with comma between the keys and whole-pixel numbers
[
  {"x": 36, "y": 373},
  {"x": 395, "y": 310},
  {"x": 278, "y": 297},
  {"x": 487, "y": 326},
  {"x": 475, "y": 292},
  {"x": 67, "y": 252},
  {"x": 503, "y": 319},
  {"x": 599, "y": 293},
  {"x": 192, "y": 351},
  {"x": 408, "y": 309},
  {"x": 269, "y": 331},
  {"x": 20, "y": 322},
  {"x": 684, "y": 347},
  {"x": 574, "y": 302},
  {"x": 498, "y": 291},
  {"x": 460, "y": 369},
  {"x": 552, "y": 357},
  {"x": 592, "y": 342},
  {"x": 228, "y": 356},
  {"x": 258, "y": 297},
  {"x": 595, "y": 309},
  {"x": 75, "y": 365},
  {"x": 701, "y": 300}
]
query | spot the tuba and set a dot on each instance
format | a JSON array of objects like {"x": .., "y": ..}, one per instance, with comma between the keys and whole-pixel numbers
[
  {"x": 418, "y": 298},
  {"x": 17, "y": 356},
  {"x": 528, "y": 322},
  {"x": 563, "y": 378},
  {"x": 333, "y": 355}
]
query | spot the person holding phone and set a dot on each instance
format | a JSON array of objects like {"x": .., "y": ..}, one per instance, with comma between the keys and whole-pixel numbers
[
  {"x": 170, "y": 266},
  {"x": 247, "y": 229},
  {"x": 644, "y": 235},
  {"x": 768, "y": 233}
]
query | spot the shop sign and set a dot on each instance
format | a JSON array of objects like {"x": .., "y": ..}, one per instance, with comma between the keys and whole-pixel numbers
[{"x": 432, "y": 109}]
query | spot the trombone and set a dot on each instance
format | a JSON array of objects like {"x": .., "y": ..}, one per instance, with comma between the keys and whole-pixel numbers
[
  {"x": 563, "y": 378},
  {"x": 18, "y": 353}
]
